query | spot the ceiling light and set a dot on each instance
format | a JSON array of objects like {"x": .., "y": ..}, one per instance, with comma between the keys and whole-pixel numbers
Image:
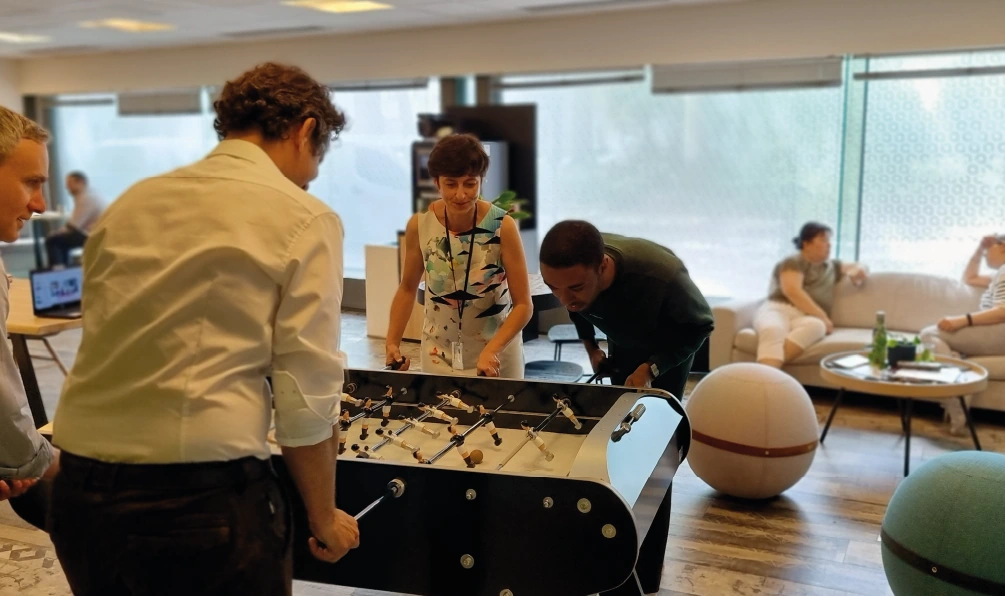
[
  {"x": 22, "y": 38},
  {"x": 339, "y": 6},
  {"x": 127, "y": 25}
]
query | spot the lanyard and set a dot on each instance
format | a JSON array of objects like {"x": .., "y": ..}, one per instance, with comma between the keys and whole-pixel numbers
[{"x": 450, "y": 257}]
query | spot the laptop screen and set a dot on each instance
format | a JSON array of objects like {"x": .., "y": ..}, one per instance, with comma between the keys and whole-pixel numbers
[{"x": 57, "y": 288}]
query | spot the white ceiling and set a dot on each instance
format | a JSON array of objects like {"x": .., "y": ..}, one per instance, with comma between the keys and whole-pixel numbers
[{"x": 221, "y": 21}]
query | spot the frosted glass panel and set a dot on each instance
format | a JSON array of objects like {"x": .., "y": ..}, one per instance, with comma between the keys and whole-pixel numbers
[
  {"x": 934, "y": 179},
  {"x": 725, "y": 180}
]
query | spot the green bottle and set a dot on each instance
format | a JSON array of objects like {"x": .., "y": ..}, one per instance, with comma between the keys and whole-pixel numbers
[{"x": 877, "y": 357}]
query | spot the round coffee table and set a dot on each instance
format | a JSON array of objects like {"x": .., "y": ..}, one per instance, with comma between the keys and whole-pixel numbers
[{"x": 866, "y": 379}]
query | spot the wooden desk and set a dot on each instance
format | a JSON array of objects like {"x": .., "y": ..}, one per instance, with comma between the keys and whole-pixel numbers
[{"x": 22, "y": 325}]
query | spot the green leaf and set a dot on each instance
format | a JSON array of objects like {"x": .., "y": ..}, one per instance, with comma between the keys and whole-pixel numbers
[
  {"x": 519, "y": 214},
  {"x": 508, "y": 195}
]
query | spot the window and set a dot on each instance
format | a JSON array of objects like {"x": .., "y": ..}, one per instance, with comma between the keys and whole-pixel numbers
[
  {"x": 117, "y": 151},
  {"x": 366, "y": 176},
  {"x": 934, "y": 175},
  {"x": 724, "y": 180}
]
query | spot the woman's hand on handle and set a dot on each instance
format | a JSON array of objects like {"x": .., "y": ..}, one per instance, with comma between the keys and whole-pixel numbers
[{"x": 394, "y": 359}]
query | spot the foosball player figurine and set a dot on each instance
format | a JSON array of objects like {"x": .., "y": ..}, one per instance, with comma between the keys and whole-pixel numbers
[
  {"x": 423, "y": 428},
  {"x": 563, "y": 404},
  {"x": 364, "y": 453},
  {"x": 343, "y": 426},
  {"x": 386, "y": 408},
  {"x": 455, "y": 400},
  {"x": 400, "y": 443},
  {"x": 490, "y": 426},
  {"x": 548, "y": 455},
  {"x": 438, "y": 413},
  {"x": 348, "y": 398}
]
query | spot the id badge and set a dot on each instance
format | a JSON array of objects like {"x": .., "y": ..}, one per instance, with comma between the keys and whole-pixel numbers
[{"x": 457, "y": 348}]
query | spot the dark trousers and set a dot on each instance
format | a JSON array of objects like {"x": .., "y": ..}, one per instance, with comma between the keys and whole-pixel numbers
[
  {"x": 650, "y": 562},
  {"x": 192, "y": 529},
  {"x": 59, "y": 244}
]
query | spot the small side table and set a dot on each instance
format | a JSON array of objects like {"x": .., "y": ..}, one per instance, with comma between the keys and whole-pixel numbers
[{"x": 863, "y": 379}]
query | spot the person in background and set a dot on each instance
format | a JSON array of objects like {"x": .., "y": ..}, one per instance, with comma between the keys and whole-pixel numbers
[
  {"x": 199, "y": 285},
  {"x": 977, "y": 333},
  {"x": 471, "y": 256},
  {"x": 87, "y": 208},
  {"x": 797, "y": 312},
  {"x": 25, "y": 456}
]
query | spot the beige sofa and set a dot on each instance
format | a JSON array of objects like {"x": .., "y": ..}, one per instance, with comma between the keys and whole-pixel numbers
[{"x": 910, "y": 301}]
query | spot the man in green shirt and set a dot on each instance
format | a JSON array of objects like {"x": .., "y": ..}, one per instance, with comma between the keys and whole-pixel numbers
[{"x": 638, "y": 293}]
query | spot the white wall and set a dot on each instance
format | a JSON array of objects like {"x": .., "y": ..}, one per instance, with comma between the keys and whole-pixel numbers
[
  {"x": 10, "y": 95},
  {"x": 717, "y": 31}
]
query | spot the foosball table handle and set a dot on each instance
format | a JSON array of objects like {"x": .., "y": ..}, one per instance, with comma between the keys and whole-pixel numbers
[
  {"x": 394, "y": 489},
  {"x": 626, "y": 425}
]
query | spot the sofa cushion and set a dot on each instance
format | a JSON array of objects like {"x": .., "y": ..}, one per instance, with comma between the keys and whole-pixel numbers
[
  {"x": 911, "y": 301},
  {"x": 842, "y": 340},
  {"x": 746, "y": 341},
  {"x": 994, "y": 364}
]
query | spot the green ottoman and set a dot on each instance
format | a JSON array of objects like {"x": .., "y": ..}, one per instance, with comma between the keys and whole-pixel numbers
[{"x": 944, "y": 530}]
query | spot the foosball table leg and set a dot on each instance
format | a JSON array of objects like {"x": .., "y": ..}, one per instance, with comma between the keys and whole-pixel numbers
[{"x": 631, "y": 587}]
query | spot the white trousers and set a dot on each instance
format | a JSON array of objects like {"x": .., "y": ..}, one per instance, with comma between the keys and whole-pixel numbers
[{"x": 776, "y": 322}]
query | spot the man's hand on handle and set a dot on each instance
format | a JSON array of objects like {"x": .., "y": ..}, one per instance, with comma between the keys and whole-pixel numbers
[{"x": 334, "y": 538}]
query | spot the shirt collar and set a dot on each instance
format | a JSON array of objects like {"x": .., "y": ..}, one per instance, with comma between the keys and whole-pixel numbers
[{"x": 248, "y": 151}]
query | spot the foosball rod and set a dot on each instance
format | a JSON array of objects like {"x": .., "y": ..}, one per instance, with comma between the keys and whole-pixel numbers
[
  {"x": 458, "y": 439},
  {"x": 528, "y": 438},
  {"x": 368, "y": 411},
  {"x": 405, "y": 427}
]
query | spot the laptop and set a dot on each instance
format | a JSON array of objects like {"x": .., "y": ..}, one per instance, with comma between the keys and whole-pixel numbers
[{"x": 55, "y": 293}]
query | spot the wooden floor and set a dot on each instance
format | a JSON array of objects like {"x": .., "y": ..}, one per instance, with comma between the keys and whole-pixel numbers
[{"x": 820, "y": 537}]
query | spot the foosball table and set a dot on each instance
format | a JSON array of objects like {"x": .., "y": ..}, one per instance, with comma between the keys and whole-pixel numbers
[{"x": 476, "y": 486}]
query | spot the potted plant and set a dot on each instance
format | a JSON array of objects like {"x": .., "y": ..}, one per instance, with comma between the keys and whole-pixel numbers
[{"x": 509, "y": 202}]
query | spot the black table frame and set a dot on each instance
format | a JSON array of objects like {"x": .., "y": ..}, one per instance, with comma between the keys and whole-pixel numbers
[{"x": 906, "y": 407}]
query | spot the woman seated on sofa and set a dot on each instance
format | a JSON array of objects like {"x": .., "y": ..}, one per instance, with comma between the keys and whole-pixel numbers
[
  {"x": 979, "y": 333},
  {"x": 796, "y": 314}
]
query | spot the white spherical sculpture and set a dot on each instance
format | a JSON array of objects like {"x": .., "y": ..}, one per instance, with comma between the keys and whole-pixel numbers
[{"x": 754, "y": 430}]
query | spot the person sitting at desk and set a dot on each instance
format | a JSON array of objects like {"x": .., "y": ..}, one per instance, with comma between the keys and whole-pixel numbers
[
  {"x": 87, "y": 208},
  {"x": 25, "y": 456},
  {"x": 477, "y": 287}
]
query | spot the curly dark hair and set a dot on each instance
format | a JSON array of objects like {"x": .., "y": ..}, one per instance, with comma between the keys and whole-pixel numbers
[
  {"x": 458, "y": 155},
  {"x": 272, "y": 98}
]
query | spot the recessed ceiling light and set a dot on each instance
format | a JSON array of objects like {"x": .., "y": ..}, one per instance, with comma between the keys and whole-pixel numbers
[
  {"x": 22, "y": 38},
  {"x": 127, "y": 25},
  {"x": 339, "y": 5}
]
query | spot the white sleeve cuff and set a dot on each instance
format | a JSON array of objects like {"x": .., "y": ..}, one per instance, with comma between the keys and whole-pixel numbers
[{"x": 301, "y": 420}]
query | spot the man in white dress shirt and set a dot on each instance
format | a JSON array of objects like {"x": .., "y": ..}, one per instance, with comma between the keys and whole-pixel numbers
[
  {"x": 24, "y": 168},
  {"x": 198, "y": 284},
  {"x": 87, "y": 208}
]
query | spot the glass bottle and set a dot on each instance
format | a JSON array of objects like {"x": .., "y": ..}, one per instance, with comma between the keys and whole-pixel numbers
[{"x": 877, "y": 356}]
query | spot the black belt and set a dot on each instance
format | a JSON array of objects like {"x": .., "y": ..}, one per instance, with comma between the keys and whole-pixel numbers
[
  {"x": 92, "y": 473},
  {"x": 937, "y": 570}
]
